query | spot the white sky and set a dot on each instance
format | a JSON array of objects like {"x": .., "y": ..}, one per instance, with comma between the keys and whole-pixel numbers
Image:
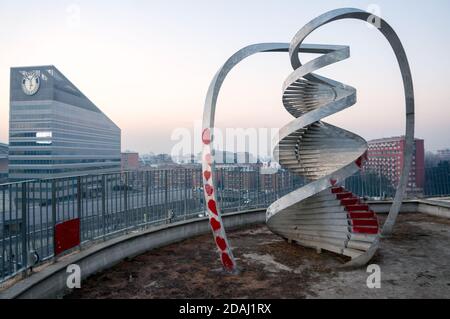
[{"x": 148, "y": 64}]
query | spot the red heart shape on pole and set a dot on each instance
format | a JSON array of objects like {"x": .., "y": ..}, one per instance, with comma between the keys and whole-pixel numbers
[
  {"x": 206, "y": 136},
  {"x": 209, "y": 189},
  {"x": 207, "y": 175},
  {"x": 215, "y": 224},
  {"x": 212, "y": 207},
  {"x": 221, "y": 243},
  {"x": 227, "y": 262}
]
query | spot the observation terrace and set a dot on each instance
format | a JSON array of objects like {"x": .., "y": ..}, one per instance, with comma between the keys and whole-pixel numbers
[{"x": 142, "y": 235}]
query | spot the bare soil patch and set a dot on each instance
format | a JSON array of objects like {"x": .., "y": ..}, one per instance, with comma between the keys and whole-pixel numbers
[{"x": 415, "y": 263}]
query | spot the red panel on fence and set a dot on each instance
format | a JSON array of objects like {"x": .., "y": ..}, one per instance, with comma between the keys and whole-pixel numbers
[{"x": 67, "y": 235}]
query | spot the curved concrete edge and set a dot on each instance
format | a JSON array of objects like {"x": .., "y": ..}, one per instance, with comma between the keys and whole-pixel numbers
[
  {"x": 434, "y": 208},
  {"x": 365, "y": 258},
  {"x": 383, "y": 207},
  {"x": 430, "y": 207},
  {"x": 50, "y": 282}
]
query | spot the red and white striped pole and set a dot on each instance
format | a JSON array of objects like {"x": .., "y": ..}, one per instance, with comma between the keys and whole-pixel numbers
[{"x": 210, "y": 193}]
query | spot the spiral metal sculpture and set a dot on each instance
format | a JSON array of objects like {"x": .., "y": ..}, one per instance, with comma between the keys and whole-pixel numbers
[{"x": 322, "y": 214}]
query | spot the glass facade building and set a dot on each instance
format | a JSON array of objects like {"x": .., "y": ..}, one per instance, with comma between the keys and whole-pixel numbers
[
  {"x": 3, "y": 163},
  {"x": 55, "y": 130}
]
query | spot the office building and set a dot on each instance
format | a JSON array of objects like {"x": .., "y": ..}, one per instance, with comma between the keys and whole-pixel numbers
[
  {"x": 55, "y": 130},
  {"x": 443, "y": 155},
  {"x": 3, "y": 163}
]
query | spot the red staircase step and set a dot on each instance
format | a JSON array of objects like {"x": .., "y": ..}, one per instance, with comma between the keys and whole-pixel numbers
[
  {"x": 365, "y": 222},
  {"x": 350, "y": 201},
  {"x": 360, "y": 207},
  {"x": 357, "y": 215},
  {"x": 344, "y": 195},
  {"x": 336, "y": 190},
  {"x": 366, "y": 230}
]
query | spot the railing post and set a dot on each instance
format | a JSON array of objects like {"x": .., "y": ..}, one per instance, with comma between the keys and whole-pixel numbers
[
  {"x": 125, "y": 201},
  {"x": 185, "y": 193},
  {"x": 277, "y": 187},
  {"x": 219, "y": 181},
  {"x": 103, "y": 206},
  {"x": 79, "y": 206},
  {"x": 147, "y": 186},
  {"x": 240, "y": 188},
  {"x": 24, "y": 229},
  {"x": 165, "y": 196},
  {"x": 147, "y": 200},
  {"x": 258, "y": 181},
  {"x": 79, "y": 194},
  {"x": 54, "y": 216}
]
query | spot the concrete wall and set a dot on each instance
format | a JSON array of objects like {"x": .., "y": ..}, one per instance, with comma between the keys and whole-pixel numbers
[
  {"x": 433, "y": 208},
  {"x": 50, "y": 282},
  {"x": 383, "y": 207},
  {"x": 429, "y": 207}
]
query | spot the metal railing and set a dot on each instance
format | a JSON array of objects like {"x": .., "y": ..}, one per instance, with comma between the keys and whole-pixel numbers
[
  {"x": 435, "y": 182},
  {"x": 110, "y": 205}
]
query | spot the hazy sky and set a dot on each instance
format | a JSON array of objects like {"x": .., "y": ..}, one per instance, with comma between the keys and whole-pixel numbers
[{"x": 148, "y": 64}]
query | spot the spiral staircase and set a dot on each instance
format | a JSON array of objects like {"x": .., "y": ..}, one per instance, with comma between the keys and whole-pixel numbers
[{"x": 322, "y": 214}]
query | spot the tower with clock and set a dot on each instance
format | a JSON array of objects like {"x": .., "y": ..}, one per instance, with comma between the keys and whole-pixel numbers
[{"x": 30, "y": 82}]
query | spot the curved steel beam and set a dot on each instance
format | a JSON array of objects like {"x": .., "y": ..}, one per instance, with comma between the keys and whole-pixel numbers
[
  {"x": 320, "y": 214},
  {"x": 394, "y": 41},
  {"x": 209, "y": 186}
]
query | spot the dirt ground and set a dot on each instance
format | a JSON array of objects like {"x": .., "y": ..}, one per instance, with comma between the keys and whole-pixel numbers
[{"x": 415, "y": 263}]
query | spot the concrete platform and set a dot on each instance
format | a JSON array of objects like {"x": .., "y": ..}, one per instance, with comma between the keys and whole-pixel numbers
[{"x": 415, "y": 263}]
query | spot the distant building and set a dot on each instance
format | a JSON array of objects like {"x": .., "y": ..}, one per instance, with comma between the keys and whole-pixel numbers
[
  {"x": 160, "y": 160},
  {"x": 187, "y": 159},
  {"x": 163, "y": 159},
  {"x": 225, "y": 157},
  {"x": 386, "y": 156},
  {"x": 130, "y": 161},
  {"x": 431, "y": 160},
  {"x": 3, "y": 162},
  {"x": 443, "y": 155},
  {"x": 220, "y": 157},
  {"x": 239, "y": 176},
  {"x": 55, "y": 130}
]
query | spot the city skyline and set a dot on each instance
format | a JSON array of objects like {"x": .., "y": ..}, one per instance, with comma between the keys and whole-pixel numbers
[
  {"x": 223, "y": 150},
  {"x": 148, "y": 66}
]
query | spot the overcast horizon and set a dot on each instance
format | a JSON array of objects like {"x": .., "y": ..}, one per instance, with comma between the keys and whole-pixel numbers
[{"x": 148, "y": 64}]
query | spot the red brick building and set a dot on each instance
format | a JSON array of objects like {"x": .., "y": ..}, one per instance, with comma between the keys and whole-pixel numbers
[
  {"x": 386, "y": 156},
  {"x": 129, "y": 161}
]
